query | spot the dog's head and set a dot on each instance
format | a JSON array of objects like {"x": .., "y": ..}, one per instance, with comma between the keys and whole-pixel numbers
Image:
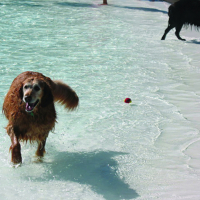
[{"x": 36, "y": 93}]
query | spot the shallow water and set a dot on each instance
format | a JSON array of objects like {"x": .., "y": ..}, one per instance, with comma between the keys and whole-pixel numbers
[{"x": 106, "y": 149}]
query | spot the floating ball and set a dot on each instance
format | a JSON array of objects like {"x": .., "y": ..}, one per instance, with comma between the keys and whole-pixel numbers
[{"x": 127, "y": 100}]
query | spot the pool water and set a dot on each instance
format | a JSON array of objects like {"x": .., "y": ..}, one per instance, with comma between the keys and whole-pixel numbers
[{"x": 106, "y": 149}]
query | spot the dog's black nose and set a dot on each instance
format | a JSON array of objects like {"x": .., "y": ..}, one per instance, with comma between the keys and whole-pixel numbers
[{"x": 28, "y": 99}]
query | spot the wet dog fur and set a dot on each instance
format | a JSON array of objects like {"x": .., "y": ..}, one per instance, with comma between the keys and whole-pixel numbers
[{"x": 29, "y": 108}]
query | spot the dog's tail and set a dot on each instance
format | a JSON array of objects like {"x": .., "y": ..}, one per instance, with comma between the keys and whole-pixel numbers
[
  {"x": 172, "y": 13},
  {"x": 65, "y": 95},
  {"x": 171, "y": 10}
]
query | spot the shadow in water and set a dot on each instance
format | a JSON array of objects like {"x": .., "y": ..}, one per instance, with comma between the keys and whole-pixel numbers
[
  {"x": 97, "y": 169},
  {"x": 73, "y": 4},
  {"x": 194, "y": 41},
  {"x": 142, "y": 8},
  {"x": 20, "y": 3}
]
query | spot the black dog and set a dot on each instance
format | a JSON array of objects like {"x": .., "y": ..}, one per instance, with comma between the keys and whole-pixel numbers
[{"x": 183, "y": 12}]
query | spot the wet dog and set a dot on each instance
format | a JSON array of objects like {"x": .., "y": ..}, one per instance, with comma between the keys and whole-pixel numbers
[
  {"x": 183, "y": 12},
  {"x": 29, "y": 108}
]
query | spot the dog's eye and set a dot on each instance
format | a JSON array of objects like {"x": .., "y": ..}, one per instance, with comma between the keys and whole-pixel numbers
[
  {"x": 36, "y": 88},
  {"x": 26, "y": 87}
]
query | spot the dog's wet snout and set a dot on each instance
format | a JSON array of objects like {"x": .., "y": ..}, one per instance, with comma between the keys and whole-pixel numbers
[{"x": 28, "y": 99}]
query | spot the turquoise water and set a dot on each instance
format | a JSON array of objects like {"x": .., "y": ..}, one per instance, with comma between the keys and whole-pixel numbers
[{"x": 106, "y": 149}]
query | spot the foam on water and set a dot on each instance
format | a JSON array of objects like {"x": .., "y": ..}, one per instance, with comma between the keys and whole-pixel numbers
[{"x": 106, "y": 149}]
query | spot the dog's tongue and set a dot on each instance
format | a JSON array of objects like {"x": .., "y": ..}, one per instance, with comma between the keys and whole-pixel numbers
[{"x": 29, "y": 107}]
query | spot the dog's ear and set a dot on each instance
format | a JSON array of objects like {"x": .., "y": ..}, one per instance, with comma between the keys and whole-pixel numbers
[
  {"x": 47, "y": 96},
  {"x": 21, "y": 92}
]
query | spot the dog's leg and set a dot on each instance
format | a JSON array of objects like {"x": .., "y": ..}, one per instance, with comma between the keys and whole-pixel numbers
[
  {"x": 41, "y": 148},
  {"x": 177, "y": 33},
  {"x": 15, "y": 148},
  {"x": 167, "y": 31}
]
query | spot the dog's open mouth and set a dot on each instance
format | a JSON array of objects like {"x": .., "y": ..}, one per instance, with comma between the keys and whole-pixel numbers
[{"x": 30, "y": 106}]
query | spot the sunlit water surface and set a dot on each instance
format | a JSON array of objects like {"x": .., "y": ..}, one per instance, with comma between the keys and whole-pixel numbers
[{"x": 106, "y": 149}]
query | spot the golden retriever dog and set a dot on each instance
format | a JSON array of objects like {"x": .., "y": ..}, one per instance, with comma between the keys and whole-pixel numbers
[{"x": 29, "y": 108}]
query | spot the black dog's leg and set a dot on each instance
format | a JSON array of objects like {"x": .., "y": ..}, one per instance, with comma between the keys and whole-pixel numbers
[
  {"x": 167, "y": 31},
  {"x": 177, "y": 33}
]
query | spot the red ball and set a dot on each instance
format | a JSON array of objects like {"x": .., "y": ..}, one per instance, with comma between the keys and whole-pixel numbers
[{"x": 127, "y": 100}]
